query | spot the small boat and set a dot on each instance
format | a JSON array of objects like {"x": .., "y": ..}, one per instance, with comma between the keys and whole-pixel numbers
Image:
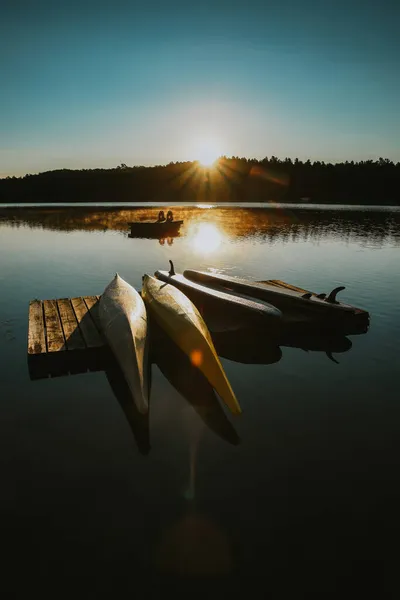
[
  {"x": 221, "y": 308},
  {"x": 181, "y": 320},
  {"x": 296, "y": 304},
  {"x": 123, "y": 319},
  {"x": 163, "y": 227}
]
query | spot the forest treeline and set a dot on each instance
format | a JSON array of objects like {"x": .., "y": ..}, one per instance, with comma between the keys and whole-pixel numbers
[{"x": 230, "y": 180}]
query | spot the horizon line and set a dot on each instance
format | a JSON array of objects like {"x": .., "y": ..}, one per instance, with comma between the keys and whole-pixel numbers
[{"x": 272, "y": 158}]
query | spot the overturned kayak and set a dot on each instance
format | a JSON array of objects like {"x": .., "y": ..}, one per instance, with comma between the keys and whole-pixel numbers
[
  {"x": 181, "y": 320},
  {"x": 231, "y": 310},
  {"x": 295, "y": 303},
  {"x": 191, "y": 384},
  {"x": 124, "y": 322}
]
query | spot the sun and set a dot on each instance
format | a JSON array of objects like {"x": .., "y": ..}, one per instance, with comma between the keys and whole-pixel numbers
[
  {"x": 208, "y": 152},
  {"x": 208, "y": 158}
]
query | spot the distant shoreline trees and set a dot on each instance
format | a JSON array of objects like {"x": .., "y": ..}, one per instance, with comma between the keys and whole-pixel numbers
[{"x": 230, "y": 180}]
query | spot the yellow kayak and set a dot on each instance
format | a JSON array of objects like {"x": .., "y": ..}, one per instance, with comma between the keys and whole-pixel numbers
[{"x": 179, "y": 317}]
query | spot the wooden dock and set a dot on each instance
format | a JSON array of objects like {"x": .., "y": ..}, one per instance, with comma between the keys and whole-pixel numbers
[{"x": 64, "y": 336}]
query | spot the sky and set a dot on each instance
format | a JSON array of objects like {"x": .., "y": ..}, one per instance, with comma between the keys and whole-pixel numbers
[{"x": 95, "y": 84}]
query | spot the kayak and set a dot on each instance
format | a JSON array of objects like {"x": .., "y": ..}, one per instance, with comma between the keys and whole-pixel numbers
[
  {"x": 181, "y": 320},
  {"x": 296, "y": 304},
  {"x": 226, "y": 309},
  {"x": 124, "y": 322},
  {"x": 191, "y": 384}
]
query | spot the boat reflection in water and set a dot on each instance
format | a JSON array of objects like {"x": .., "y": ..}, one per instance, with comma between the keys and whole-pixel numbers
[
  {"x": 316, "y": 342},
  {"x": 255, "y": 346},
  {"x": 190, "y": 382},
  {"x": 162, "y": 239},
  {"x": 245, "y": 346},
  {"x": 169, "y": 240},
  {"x": 139, "y": 423}
]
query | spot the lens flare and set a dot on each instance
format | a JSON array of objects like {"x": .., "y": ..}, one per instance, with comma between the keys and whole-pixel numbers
[{"x": 196, "y": 357}]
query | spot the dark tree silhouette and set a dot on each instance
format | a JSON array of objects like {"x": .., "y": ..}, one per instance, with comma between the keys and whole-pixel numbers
[{"x": 231, "y": 180}]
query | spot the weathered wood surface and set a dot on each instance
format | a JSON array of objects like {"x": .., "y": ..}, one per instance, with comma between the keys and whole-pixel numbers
[
  {"x": 64, "y": 324},
  {"x": 64, "y": 336},
  {"x": 54, "y": 332},
  {"x": 92, "y": 303},
  {"x": 36, "y": 336},
  {"x": 87, "y": 326},
  {"x": 72, "y": 334}
]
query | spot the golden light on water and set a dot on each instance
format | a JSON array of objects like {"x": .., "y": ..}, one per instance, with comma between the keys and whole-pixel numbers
[{"x": 205, "y": 238}]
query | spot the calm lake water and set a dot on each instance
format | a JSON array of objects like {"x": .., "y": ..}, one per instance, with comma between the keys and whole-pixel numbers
[{"x": 307, "y": 501}]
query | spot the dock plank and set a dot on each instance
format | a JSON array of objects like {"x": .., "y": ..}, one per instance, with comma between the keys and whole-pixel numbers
[
  {"x": 86, "y": 324},
  {"x": 54, "y": 332},
  {"x": 92, "y": 302},
  {"x": 36, "y": 333},
  {"x": 72, "y": 334}
]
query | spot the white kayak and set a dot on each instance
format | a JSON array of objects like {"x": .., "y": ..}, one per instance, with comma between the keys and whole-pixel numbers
[{"x": 124, "y": 322}]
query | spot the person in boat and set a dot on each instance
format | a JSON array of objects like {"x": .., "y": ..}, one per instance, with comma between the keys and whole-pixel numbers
[
  {"x": 161, "y": 216},
  {"x": 170, "y": 216}
]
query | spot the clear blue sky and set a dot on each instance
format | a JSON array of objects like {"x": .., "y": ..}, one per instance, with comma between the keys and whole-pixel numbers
[{"x": 90, "y": 84}]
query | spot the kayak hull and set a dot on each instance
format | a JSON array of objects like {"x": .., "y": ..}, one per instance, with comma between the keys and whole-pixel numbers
[
  {"x": 180, "y": 319},
  {"x": 123, "y": 319},
  {"x": 222, "y": 309},
  {"x": 191, "y": 384}
]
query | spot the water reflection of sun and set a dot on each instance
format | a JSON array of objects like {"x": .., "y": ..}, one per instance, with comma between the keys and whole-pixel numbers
[{"x": 205, "y": 238}]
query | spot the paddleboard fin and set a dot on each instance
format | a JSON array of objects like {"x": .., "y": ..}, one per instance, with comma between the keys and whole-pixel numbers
[
  {"x": 332, "y": 296},
  {"x": 329, "y": 355},
  {"x": 172, "y": 270}
]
